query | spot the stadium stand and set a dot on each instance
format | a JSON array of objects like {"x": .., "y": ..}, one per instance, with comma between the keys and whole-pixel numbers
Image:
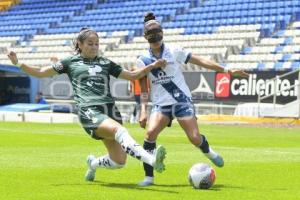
[{"x": 252, "y": 35}]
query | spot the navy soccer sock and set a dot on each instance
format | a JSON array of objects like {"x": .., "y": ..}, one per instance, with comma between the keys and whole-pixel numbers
[
  {"x": 149, "y": 146},
  {"x": 204, "y": 146}
]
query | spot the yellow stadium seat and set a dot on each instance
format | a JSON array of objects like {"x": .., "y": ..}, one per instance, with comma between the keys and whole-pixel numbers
[{"x": 6, "y": 4}]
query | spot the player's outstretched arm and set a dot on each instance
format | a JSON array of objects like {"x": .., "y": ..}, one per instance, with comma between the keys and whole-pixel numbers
[
  {"x": 33, "y": 71},
  {"x": 209, "y": 64},
  {"x": 141, "y": 72}
]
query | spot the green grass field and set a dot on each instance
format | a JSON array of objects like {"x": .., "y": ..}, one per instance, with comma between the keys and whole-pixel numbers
[{"x": 46, "y": 161}]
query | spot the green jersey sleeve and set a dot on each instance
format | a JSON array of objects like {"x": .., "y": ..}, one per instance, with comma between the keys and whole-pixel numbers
[
  {"x": 62, "y": 66},
  {"x": 114, "y": 69}
]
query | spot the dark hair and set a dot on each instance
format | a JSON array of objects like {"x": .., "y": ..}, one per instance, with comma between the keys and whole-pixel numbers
[
  {"x": 150, "y": 23},
  {"x": 149, "y": 16},
  {"x": 81, "y": 37}
]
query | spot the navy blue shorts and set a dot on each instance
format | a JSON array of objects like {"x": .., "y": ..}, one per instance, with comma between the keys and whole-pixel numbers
[{"x": 178, "y": 110}]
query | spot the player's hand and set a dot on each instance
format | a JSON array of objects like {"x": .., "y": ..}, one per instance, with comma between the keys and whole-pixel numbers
[
  {"x": 143, "y": 120},
  {"x": 13, "y": 57},
  {"x": 239, "y": 73},
  {"x": 160, "y": 63}
]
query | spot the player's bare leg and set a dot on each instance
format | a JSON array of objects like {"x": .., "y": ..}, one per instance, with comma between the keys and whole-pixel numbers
[{"x": 190, "y": 126}]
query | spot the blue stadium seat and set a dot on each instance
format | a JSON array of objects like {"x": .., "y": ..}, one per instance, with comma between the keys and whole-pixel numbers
[
  {"x": 278, "y": 49},
  {"x": 261, "y": 66},
  {"x": 295, "y": 65},
  {"x": 286, "y": 57},
  {"x": 278, "y": 66}
]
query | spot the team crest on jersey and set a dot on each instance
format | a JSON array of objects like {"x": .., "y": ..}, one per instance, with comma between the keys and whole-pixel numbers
[{"x": 161, "y": 73}]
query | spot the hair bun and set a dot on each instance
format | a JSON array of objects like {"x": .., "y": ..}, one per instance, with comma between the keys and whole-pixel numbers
[
  {"x": 149, "y": 16},
  {"x": 84, "y": 28}
]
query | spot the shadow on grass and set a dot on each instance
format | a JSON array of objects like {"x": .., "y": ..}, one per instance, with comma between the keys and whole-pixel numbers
[
  {"x": 125, "y": 186},
  {"x": 133, "y": 186},
  {"x": 218, "y": 187},
  {"x": 155, "y": 187}
]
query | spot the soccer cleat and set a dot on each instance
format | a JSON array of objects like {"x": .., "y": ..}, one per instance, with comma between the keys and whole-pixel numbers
[
  {"x": 218, "y": 161},
  {"x": 160, "y": 154},
  {"x": 145, "y": 183},
  {"x": 90, "y": 173}
]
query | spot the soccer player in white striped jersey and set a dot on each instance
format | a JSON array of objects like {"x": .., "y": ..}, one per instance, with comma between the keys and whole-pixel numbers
[{"x": 170, "y": 94}]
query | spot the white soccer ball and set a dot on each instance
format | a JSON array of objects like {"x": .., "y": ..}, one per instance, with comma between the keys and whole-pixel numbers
[{"x": 202, "y": 176}]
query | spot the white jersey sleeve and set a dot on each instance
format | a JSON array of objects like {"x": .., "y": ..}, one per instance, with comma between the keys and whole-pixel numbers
[
  {"x": 182, "y": 56},
  {"x": 140, "y": 63}
]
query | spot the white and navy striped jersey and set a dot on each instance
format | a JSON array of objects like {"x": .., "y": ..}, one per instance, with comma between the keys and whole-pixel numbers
[{"x": 168, "y": 85}]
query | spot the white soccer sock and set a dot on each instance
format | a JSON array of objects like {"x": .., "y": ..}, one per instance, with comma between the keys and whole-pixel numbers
[
  {"x": 130, "y": 146},
  {"x": 105, "y": 162},
  {"x": 211, "y": 154}
]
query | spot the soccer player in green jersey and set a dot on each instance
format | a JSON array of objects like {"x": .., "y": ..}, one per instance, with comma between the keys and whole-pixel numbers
[{"x": 89, "y": 74}]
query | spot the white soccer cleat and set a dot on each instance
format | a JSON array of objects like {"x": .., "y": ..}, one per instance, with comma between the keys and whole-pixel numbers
[
  {"x": 215, "y": 158},
  {"x": 218, "y": 161},
  {"x": 145, "y": 183},
  {"x": 90, "y": 173}
]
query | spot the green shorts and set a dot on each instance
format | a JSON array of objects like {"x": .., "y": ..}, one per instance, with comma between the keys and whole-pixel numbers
[{"x": 92, "y": 116}]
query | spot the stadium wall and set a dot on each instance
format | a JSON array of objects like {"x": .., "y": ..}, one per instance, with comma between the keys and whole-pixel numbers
[
  {"x": 38, "y": 117},
  {"x": 22, "y": 87},
  {"x": 205, "y": 86}
]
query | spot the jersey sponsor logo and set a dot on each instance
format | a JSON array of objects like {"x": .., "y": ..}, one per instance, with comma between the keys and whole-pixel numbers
[
  {"x": 222, "y": 85},
  {"x": 166, "y": 82},
  {"x": 162, "y": 78},
  {"x": 94, "y": 70},
  {"x": 171, "y": 87}
]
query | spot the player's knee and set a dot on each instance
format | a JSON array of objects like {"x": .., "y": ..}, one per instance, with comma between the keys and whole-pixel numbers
[
  {"x": 195, "y": 138},
  {"x": 151, "y": 135}
]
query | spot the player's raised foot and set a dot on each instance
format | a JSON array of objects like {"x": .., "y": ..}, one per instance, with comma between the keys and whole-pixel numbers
[
  {"x": 160, "y": 155},
  {"x": 90, "y": 173},
  {"x": 218, "y": 160},
  {"x": 146, "y": 182}
]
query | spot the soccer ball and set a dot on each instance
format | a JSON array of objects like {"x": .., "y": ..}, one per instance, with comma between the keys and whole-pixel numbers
[{"x": 202, "y": 176}]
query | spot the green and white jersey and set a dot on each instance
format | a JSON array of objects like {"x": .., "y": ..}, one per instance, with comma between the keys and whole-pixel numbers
[{"x": 90, "y": 78}]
